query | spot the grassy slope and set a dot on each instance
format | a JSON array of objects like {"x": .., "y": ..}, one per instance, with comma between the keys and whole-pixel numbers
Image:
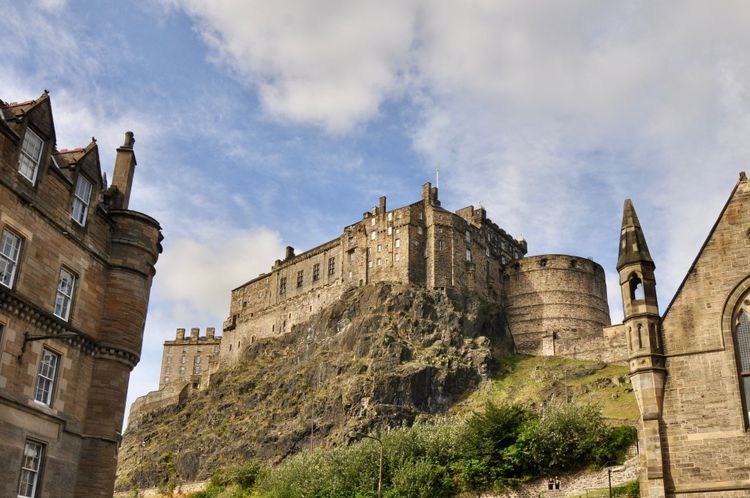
[{"x": 534, "y": 380}]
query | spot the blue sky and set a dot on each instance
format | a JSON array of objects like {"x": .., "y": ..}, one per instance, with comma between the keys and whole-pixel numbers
[{"x": 264, "y": 124}]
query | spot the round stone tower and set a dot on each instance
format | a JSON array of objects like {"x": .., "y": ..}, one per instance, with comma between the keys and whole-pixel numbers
[{"x": 557, "y": 305}]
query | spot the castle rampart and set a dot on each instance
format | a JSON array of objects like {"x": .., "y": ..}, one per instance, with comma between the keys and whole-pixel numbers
[{"x": 557, "y": 305}]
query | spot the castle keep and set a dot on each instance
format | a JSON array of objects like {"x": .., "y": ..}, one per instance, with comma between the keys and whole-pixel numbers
[{"x": 76, "y": 266}]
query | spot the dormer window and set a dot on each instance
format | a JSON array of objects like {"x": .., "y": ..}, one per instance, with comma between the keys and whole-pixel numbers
[{"x": 31, "y": 155}]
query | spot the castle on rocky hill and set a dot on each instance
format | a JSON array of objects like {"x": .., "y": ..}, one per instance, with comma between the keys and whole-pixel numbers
[{"x": 555, "y": 304}]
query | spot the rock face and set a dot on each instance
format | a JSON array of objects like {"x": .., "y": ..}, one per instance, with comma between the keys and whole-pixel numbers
[{"x": 381, "y": 356}]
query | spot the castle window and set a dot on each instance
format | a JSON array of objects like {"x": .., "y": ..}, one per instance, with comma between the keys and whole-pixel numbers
[
  {"x": 468, "y": 237},
  {"x": 373, "y": 235},
  {"x": 31, "y": 464},
  {"x": 316, "y": 272},
  {"x": 183, "y": 359},
  {"x": 440, "y": 230},
  {"x": 390, "y": 216},
  {"x": 390, "y": 230},
  {"x": 331, "y": 266},
  {"x": 398, "y": 231},
  {"x": 10, "y": 247},
  {"x": 419, "y": 215},
  {"x": 487, "y": 251},
  {"x": 282, "y": 285},
  {"x": 468, "y": 254},
  {"x": 440, "y": 245},
  {"x": 31, "y": 155},
  {"x": 369, "y": 264},
  {"x": 166, "y": 380},
  {"x": 350, "y": 275},
  {"x": 352, "y": 256},
  {"x": 64, "y": 294},
  {"x": 169, "y": 360},
  {"x": 197, "y": 369},
  {"x": 398, "y": 243},
  {"x": 182, "y": 369},
  {"x": 81, "y": 198},
  {"x": 573, "y": 263},
  {"x": 45, "y": 380},
  {"x": 503, "y": 259},
  {"x": 380, "y": 247},
  {"x": 420, "y": 231},
  {"x": 397, "y": 257},
  {"x": 216, "y": 348},
  {"x": 300, "y": 278},
  {"x": 372, "y": 221},
  {"x": 379, "y": 261},
  {"x": 542, "y": 263},
  {"x": 197, "y": 360},
  {"x": 742, "y": 346}
]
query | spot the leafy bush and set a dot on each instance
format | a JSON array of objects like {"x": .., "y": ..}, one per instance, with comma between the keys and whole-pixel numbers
[
  {"x": 500, "y": 446},
  {"x": 420, "y": 479}
]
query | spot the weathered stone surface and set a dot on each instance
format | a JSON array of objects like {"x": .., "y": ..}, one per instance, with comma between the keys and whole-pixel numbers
[{"x": 380, "y": 356}]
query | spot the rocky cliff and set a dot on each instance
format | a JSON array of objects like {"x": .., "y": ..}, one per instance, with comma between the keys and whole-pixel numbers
[{"x": 383, "y": 355}]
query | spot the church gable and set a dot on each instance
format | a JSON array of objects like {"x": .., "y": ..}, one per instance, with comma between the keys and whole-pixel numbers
[{"x": 693, "y": 320}]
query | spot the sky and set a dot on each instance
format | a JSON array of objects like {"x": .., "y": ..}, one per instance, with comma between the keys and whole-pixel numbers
[{"x": 264, "y": 124}]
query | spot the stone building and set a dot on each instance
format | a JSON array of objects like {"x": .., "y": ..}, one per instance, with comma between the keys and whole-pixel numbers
[
  {"x": 422, "y": 244},
  {"x": 189, "y": 359},
  {"x": 690, "y": 367},
  {"x": 556, "y": 304},
  {"x": 76, "y": 266}
]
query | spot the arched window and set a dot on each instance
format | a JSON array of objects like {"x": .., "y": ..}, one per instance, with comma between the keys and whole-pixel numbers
[
  {"x": 742, "y": 343},
  {"x": 636, "y": 288}
]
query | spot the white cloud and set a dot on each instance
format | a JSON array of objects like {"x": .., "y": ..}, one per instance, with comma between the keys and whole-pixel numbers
[
  {"x": 197, "y": 275},
  {"x": 329, "y": 63}
]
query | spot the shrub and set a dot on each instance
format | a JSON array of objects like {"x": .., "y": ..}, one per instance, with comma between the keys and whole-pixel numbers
[{"x": 420, "y": 479}]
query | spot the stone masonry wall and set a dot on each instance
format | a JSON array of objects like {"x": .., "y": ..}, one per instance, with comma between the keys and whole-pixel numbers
[
  {"x": 557, "y": 305},
  {"x": 421, "y": 244},
  {"x": 704, "y": 431}
]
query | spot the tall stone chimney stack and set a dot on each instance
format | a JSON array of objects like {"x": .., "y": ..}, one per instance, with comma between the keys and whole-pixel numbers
[
  {"x": 194, "y": 333},
  {"x": 210, "y": 331},
  {"x": 122, "y": 178},
  {"x": 180, "y": 334}
]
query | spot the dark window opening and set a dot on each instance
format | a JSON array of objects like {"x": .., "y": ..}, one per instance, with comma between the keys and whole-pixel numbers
[{"x": 636, "y": 288}]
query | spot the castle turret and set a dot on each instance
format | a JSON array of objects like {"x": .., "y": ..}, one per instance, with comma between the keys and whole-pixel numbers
[{"x": 645, "y": 353}]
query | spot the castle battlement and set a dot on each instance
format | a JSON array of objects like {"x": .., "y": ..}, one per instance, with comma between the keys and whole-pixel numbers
[{"x": 189, "y": 359}]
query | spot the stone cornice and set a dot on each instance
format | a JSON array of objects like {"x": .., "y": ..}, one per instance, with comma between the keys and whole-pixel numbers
[{"x": 15, "y": 304}]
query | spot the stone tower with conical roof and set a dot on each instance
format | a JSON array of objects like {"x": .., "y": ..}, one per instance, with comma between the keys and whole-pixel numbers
[{"x": 645, "y": 353}]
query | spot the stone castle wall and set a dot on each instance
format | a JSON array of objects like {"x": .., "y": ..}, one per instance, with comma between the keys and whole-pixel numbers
[
  {"x": 189, "y": 359},
  {"x": 557, "y": 305},
  {"x": 422, "y": 244}
]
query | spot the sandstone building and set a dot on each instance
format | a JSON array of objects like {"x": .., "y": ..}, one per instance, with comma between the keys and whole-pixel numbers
[
  {"x": 426, "y": 245},
  {"x": 690, "y": 367},
  {"x": 76, "y": 266}
]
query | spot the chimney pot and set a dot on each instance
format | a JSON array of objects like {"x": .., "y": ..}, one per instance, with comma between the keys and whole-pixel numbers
[
  {"x": 194, "y": 333},
  {"x": 180, "y": 334}
]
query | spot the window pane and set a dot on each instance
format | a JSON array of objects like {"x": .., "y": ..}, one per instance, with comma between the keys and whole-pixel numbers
[
  {"x": 46, "y": 377},
  {"x": 32, "y": 455},
  {"x": 746, "y": 389},
  {"x": 31, "y": 151},
  {"x": 742, "y": 334}
]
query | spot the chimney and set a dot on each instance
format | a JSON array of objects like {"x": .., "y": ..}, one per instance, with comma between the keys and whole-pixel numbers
[
  {"x": 434, "y": 196},
  {"x": 194, "y": 333},
  {"x": 122, "y": 179},
  {"x": 289, "y": 253},
  {"x": 210, "y": 331},
  {"x": 427, "y": 192},
  {"x": 382, "y": 205},
  {"x": 180, "y": 334}
]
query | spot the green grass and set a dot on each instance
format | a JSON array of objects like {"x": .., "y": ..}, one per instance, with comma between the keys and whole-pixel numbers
[{"x": 536, "y": 380}]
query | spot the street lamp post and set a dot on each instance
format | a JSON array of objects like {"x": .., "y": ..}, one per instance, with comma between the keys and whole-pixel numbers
[{"x": 380, "y": 467}]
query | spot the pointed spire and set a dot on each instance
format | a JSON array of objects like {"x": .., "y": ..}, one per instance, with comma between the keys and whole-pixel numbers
[{"x": 633, "y": 248}]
